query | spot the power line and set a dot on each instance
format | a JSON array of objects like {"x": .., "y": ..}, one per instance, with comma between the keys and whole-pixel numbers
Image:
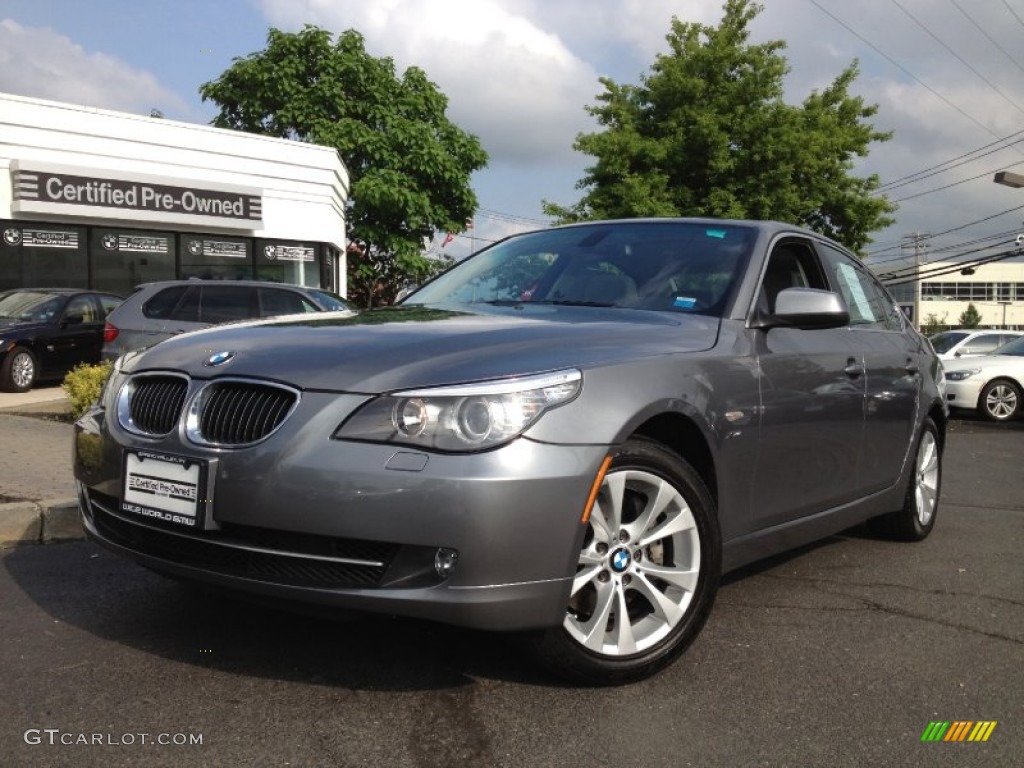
[
  {"x": 957, "y": 56},
  {"x": 954, "y": 162},
  {"x": 1018, "y": 18},
  {"x": 899, "y": 66},
  {"x": 987, "y": 35},
  {"x": 986, "y": 174}
]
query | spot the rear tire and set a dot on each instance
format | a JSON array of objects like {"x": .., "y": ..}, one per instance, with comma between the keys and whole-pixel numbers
[
  {"x": 921, "y": 504},
  {"x": 18, "y": 371},
  {"x": 1000, "y": 400},
  {"x": 647, "y": 573}
]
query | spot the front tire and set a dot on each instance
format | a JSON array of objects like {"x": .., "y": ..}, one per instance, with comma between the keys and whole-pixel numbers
[
  {"x": 647, "y": 572},
  {"x": 18, "y": 371},
  {"x": 921, "y": 504},
  {"x": 1000, "y": 400}
]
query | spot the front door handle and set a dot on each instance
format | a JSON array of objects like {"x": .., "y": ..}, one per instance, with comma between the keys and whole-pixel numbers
[{"x": 853, "y": 369}]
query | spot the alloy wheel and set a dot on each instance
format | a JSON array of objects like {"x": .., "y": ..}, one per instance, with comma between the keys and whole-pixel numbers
[
  {"x": 926, "y": 483},
  {"x": 639, "y": 566}
]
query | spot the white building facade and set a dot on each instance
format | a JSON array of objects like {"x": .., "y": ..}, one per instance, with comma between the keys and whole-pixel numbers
[
  {"x": 109, "y": 200},
  {"x": 996, "y": 290}
]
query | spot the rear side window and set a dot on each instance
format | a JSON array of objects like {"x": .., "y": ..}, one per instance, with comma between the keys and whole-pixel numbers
[
  {"x": 163, "y": 302},
  {"x": 278, "y": 301},
  {"x": 108, "y": 304},
  {"x": 986, "y": 342},
  {"x": 224, "y": 303}
]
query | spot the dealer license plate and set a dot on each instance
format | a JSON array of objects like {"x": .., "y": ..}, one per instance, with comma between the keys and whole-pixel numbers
[{"x": 166, "y": 488}]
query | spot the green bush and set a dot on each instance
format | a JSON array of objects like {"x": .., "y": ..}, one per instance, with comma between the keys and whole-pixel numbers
[{"x": 84, "y": 384}]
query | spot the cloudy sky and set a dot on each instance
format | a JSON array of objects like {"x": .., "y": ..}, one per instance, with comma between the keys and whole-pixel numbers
[{"x": 947, "y": 75}]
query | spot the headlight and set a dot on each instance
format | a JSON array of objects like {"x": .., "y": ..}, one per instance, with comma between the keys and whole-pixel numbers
[
  {"x": 466, "y": 417},
  {"x": 966, "y": 373}
]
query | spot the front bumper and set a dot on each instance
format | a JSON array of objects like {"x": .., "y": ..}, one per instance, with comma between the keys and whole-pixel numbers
[
  {"x": 964, "y": 394},
  {"x": 308, "y": 519}
]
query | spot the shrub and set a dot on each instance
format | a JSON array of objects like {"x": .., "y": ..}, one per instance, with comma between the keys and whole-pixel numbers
[{"x": 84, "y": 384}]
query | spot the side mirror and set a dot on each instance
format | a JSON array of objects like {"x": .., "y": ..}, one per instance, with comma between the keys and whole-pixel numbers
[{"x": 807, "y": 308}]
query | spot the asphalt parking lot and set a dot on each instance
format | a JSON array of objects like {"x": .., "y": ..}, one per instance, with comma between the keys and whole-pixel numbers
[{"x": 839, "y": 654}]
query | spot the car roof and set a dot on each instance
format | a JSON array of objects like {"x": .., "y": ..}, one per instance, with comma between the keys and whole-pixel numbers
[{"x": 249, "y": 283}]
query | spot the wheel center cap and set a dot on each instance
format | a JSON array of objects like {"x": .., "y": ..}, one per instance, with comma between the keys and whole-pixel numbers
[{"x": 621, "y": 560}]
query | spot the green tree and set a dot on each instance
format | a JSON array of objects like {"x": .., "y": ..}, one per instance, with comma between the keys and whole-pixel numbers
[
  {"x": 970, "y": 317},
  {"x": 410, "y": 166},
  {"x": 707, "y": 133},
  {"x": 933, "y": 323}
]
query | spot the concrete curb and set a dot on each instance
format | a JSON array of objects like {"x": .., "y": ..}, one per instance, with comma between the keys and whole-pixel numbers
[{"x": 39, "y": 522}]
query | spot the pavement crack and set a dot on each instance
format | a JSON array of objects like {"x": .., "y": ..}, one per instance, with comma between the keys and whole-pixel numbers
[{"x": 904, "y": 587}]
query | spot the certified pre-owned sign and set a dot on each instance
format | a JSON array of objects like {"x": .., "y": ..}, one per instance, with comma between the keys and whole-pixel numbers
[{"x": 42, "y": 189}]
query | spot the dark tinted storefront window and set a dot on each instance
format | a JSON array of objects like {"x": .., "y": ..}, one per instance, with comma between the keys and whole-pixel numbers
[
  {"x": 42, "y": 255},
  {"x": 125, "y": 258},
  {"x": 287, "y": 261},
  {"x": 215, "y": 257},
  {"x": 117, "y": 259}
]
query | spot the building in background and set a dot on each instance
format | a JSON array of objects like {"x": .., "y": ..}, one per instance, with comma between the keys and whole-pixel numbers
[
  {"x": 108, "y": 200},
  {"x": 995, "y": 289}
]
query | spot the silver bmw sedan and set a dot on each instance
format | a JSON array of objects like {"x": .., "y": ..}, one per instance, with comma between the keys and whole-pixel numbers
[{"x": 571, "y": 434}]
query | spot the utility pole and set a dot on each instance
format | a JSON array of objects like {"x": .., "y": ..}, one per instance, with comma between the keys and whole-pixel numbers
[{"x": 918, "y": 242}]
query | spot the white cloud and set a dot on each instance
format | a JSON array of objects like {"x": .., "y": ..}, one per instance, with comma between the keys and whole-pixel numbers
[
  {"x": 516, "y": 85},
  {"x": 41, "y": 63}
]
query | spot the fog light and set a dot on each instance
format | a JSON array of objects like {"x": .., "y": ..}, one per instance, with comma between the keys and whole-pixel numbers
[{"x": 444, "y": 562}]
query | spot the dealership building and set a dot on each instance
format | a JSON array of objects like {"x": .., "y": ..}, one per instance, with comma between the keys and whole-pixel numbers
[{"x": 108, "y": 200}]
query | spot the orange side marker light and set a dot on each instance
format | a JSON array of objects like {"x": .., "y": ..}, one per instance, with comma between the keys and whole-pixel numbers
[{"x": 595, "y": 488}]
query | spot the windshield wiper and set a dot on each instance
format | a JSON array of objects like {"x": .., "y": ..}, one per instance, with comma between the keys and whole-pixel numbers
[{"x": 573, "y": 303}]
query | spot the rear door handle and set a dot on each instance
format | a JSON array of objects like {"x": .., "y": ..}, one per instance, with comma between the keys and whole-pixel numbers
[{"x": 912, "y": 368}]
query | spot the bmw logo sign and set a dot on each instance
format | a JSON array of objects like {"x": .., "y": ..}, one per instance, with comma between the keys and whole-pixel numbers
[
  {"x": 218, "y": 359},
  {"x": 620, "y": 561}
]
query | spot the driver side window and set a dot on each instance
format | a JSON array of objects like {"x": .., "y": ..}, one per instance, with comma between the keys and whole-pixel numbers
[{"x": 792, "y": 264}]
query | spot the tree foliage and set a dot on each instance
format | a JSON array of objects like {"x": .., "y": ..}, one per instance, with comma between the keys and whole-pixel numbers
[
  {"x": 409, "y": 165},
  {"x": 707, "y": 133},
  {"x": 970, "y": 317}
]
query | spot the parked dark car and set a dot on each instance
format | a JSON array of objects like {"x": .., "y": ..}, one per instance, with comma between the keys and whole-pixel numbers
[
  {"x": 572, "y": 433},
  {"x": 45, "y": 332},
  {"x": 157, "y": 311}
]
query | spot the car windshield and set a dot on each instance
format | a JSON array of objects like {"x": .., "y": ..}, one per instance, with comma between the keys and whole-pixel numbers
[
  {"x": 1015, "y": 347},
  {"x": 29, "y": 306},
  {"x": 671, "y": 266},
  {"x": 943, "y": 342}
]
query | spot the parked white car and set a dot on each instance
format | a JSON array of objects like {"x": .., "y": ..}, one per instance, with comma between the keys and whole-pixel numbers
[
  {"x": 990, "y": 383},
  {"x": 950, "y": 345}
]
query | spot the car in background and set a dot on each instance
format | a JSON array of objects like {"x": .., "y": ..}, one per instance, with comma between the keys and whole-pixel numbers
[
  {"x": 45, "y": 332},
  {"x": 157, "y": 311},
  {"x": 950, "y": 345},
  {"x": 573, "y": 433},
  {"x": 990, "y": 384}
]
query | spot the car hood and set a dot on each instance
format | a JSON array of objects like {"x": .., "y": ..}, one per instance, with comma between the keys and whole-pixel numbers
[{"x": 409, "y": 347}]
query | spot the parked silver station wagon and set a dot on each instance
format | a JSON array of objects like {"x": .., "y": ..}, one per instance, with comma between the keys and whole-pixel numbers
[{"x": 572, "y": 433}]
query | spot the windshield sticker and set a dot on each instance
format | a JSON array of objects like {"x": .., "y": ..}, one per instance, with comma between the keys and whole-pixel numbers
[
  {"x": 684, "y": 302},
  {"x": 719, "y": 233}
]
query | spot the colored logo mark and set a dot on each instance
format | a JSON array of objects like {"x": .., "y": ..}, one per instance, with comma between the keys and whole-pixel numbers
[
  {"x": 218, "y": 359},
  {"x": 959, "y": 730}
]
